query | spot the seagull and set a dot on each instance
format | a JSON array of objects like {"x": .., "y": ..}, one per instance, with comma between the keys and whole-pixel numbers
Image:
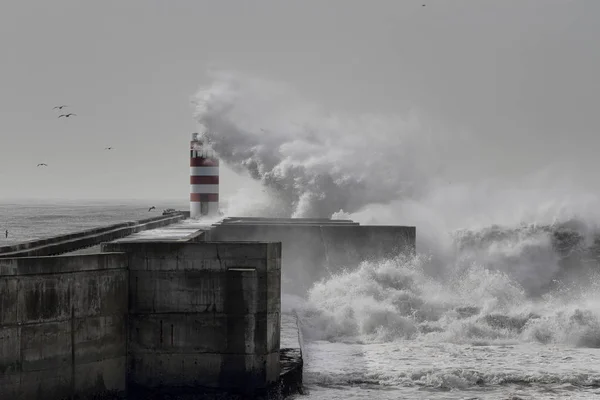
[
  {"x": 42, "y": 165},
  {"x": 108, "y": 148},
  {"x": 151, "y": 208},
  {"x": 66, "y": 115},
  {"x": 60, "y": 107}
]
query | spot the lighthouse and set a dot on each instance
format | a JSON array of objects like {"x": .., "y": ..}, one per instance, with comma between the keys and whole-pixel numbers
[{"x": 204, "y": 179}]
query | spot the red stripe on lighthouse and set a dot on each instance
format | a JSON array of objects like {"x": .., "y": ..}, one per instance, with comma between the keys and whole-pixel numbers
[
  {"x": 204, "y": 197},
  {"x": 204, "y": 180}
]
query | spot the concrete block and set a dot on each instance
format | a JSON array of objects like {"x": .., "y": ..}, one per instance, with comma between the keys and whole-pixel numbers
[
  {"x": 241, "y": 291},
  {"x": 273, "y": 264},
  {"x": 267, "y": 333},
  {"x": 252, "y": 334},
  {"x": 225, "y": 263},
  {"x": 190, "y": 264},
  {"x": 101, "y": 377},
  {"x": 204, "y": 333},
  {"x": 199, "y": 251},
  {"x": 8, "y": 266},
  {"x": 10, "y": 385},
  {"x": 274, "y": 253},
  {"x": 139, "y": 263},
  {"x": 172, "y": 291},
  {"x": 273, "y": 366},
  {"x": 162, "y": 263},
  {"x": 136, "y": 261},
  {"x": 238, "y": 250},
  {"x": 46, "y": 346},
  {"x": 198, "y": 292},
  {"x": 10, "y": 350},
  {"x": 148, "y": 249},
  {"x": 244, "y": 334},
  {"x": 151, "y": 370},
  {"x": 44, "y": 298},
  {"x": 100, "y": 338},
  {"x": 248, "y": 373},
  {"x": 196, "y": 251},
  {"x": 47, "y": 384},
  {"x": 203, "y": 370},
  {"x": 51, "y": 297},
  {"x": 61, "y": 264},
  {"x": 8, "y": 301},
  {"x": 273, "y": 334},
  {"x": 269, "y": 287},
  {"x": 39, "y": 338},
  {"x": 178, "y": 333},
  {"x": 100, "y": 293}
]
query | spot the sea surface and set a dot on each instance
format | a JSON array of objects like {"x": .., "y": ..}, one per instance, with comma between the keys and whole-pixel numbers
[{"x": 489, "y": 323}]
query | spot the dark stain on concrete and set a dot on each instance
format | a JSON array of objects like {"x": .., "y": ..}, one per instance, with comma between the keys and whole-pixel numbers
[
  {"x": 42, "y": 301},
  {"x": 234, "y": 375}
]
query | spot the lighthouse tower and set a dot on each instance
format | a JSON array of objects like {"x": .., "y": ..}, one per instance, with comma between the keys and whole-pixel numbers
[{"x": 204, "y": 179}]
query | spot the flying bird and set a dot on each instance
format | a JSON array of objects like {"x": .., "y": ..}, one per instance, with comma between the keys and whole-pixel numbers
[
  {"x": 66, "y": 115},
  {"x": 60, "y": 107},
  {"x": 108, "y": 148},
  {"x": 151, "y": 208},
  {"x": 42, "y": 165}
]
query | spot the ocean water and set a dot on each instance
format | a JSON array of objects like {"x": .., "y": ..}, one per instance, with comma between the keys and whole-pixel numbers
[{"x": 389, "y": 331}]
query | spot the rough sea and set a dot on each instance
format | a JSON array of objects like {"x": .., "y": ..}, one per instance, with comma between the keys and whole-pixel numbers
[
  {"x": 393, "y": 330},
  {"x": 502, "y": 300}
]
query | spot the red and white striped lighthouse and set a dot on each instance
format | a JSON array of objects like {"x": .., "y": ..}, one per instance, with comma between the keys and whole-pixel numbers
[{"x": 204, "y": 179}]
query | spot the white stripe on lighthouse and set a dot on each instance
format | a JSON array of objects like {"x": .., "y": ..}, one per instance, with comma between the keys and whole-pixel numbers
[
  {"x": 204, "y": 171},
  {"x": 205, "y": 189}
]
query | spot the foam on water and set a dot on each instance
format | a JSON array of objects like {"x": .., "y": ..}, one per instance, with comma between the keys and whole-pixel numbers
[{"x": 504, "y": 290}]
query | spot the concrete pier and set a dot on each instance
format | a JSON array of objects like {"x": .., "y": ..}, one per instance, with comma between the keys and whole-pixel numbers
[
  {"x": 169, "y": 306},
  {"x": 63, "y": 326},
  {"x": 203, "y": 315}
]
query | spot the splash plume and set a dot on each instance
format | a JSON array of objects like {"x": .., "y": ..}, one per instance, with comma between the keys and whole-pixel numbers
[{"x": 317, "y": 163}]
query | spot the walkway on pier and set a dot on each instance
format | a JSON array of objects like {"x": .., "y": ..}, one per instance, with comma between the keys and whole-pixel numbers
[{"x": 72, "y": 242}]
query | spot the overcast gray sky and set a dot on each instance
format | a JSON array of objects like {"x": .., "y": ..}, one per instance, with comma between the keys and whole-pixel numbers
[{"x": 520, "y": 76}]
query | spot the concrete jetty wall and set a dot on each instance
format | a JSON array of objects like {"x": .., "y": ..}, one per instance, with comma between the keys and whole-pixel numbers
[
  {"x": 291, "y": 355},
  {"x": 87, "y": 238},
  {"x": 313, "y": 249},
  {"x": 62, "y": 326},
  {"x": 202, "y": 315},
  {"x": 185, "y": 313}
]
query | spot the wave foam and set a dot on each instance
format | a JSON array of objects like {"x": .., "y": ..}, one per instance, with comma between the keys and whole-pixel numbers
[{"x": 499, "y": 260}]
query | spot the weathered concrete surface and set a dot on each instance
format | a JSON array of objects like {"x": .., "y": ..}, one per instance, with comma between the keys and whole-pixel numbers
[
  {"x": 203, "y": 315},
  {"x": 183, "y": 231},
  {"x": 313, "y": 249},
  {"x": 62, "y": 326},
  {"x": 290, "y": 377},
  {"x": 291, "y": 355},
  {"x": 83, "y": 239}
]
